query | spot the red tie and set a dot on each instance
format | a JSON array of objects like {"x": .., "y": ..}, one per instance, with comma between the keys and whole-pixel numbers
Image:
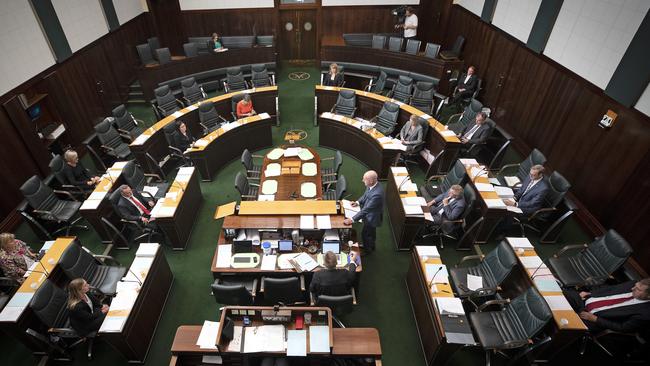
[
  {"x": 140, "y": 205},
  {"x": 602, "y": 303}
]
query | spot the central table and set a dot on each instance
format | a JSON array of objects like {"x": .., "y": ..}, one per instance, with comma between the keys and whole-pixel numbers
[{"x": 292, "y": 174}]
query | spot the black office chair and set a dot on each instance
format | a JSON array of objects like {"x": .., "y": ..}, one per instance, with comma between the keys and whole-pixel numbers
[
  {"x": 494, "y": 268},
  {"x": 402, "y": 89},
  {"x": 340, "y": 305},
  {"x": 338, "y": 192},
  {"x": 137, "y": 179},
  {"x": 283, "y": 291},
  {"x": 550, "y": 232},
  {"x": 77, "y": 262},
  {"x": 163, "y": 55},
  {"x": 209, "y": 119},
  {"x": 234, "y": 80},
  {"x": 50, "y": 305},
  {"x": 331, "y": 174},
  {"x": 346, "y": 103},
  {"x": 378, "y": 41},
  {"x": 422, "y": 97},
  {"x": 437, "y": 184},
  {"x": 165, "y": 102},
  {"x": 260, "y": 76},
  {"x": 412, "y": 46},
  {"x": 190, "y": 49},
  {"x": 111, "y": 141},
  {"x": 470, "y": 233},
  {"x": 395, "y": 44},
  {"x": 247, "y": 190},
  {"x": 192, "y": 92},
  {"x": 478, "y": 149},
  {"x": 176, "y": 156},
  {"x": 558, "y": 187},
  {"x": 48, "y": 207},
  {"x": 8, "y": 287},
  {"x": 518, "y": 325},
  {"x": 119, "y": 235},
  {"x": 131, "y": 231},
  {"x": 233, "y": 291},
  {"x": 145, "y": 54},
  {"x": 233, "y": 105},
  {"x": 386, "y": 120},
  {"x": 154, "y": 44},
  {"x": 458, "y": 122},
  {"x": 523, "y": 169},
  {"x": 125, "y": 123},
  {"x": 455, "y": 51},
  {"x": 431, "y": 50},
  {"x": 453, "y": 229},
  {"x": 594, "y": 264},
  {"x": 57, "y": 166},
  {"x": 377, "y": 85},
  {"x": 253, "y": 171}
]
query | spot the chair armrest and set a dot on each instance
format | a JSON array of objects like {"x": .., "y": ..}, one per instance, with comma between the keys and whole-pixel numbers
[
  {"x": 152, "y": 175},
  {"x": 179, "y": 103},
  {"x": 515, "y": 344},
  {"x": 508, "y": 166},
  {"x": 76, "y": 189},
  {"x": 254, "y": 292},
  {"x": 254, "y": 184},
  {"x": 302, "y": 283},
  {"x": 312, "y": 300},
  {"x": 434, "y": 177},
  {"x": 107, "y": 148},
  {"x": 106, "y": 257},
  {"x": 175, "y": 150},
  {"x": 457, "y": 115},
  {"x": 63, "y": 332},
  {"x": 332, "y": 110},
  {"x": 569, "y": 247},
  {"x": 187, "y": 101},
  {"x": 249, "y": 196},
  {"x": 493, "y": 302},
  {"x": 259, "y": 156},
  {"x": 541, "y": 211},
  {"x": 470, "y": 257},
  {"x": 65, "y": 193},
  {"x": 354, "y": 296},
  {"x": 43, "y": 212},
  {"x": 148, "y": 194},
  {"x": 262, "y": 285}
]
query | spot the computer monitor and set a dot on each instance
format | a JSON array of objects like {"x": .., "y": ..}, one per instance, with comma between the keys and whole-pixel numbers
[
  {"x": 242, "y": 246},
  {"x": 333, "y": 246},
  {"x": 285, "y": 246}
]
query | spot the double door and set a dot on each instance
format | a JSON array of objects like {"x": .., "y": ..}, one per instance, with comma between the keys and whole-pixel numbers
[{"x": 298, "y": 34}]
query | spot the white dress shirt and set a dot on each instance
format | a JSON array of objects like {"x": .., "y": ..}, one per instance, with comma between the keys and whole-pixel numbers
[{"x": 411, "y": 21}]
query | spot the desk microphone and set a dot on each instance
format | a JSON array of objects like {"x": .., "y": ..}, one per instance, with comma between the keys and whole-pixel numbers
[
  {"x": 478, "y": 174},
  {"x": 532, "y": 276},
  {"x": 399, "y": 188},
  {"x": 293, "y": 195},
  {"x": 138, "y": 281},
  {"x": 175, "y": 183},
  {"x": 44, "y": 269},
  {"x": 434, "y": 277}
]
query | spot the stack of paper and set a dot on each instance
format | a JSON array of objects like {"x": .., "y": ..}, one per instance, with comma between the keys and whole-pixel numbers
[
  {"x": 304, "y": 262},
  {"x": 350, "y": 211},
  {"x": 223, "y": 256},
  {"x": 235, "y": 343},
  {"x": 307, "y": 222},
  {"x": 283, "y": 260},
  {"x": 517, "y": 243},
  {"x": 467, "y": 162},
  {"x": 484, "y": 187},
  {"x": 439, "y": 270},
  {"x": 428, "y": 251},
  {"x": 547, "y": 284},
  {"x": 450, "y": 305},
  {"x": 305, "y": 154},
  {"x": 558, "y": 303},
  {"x": 447, "y": 133},
  {"x": 275, "y": 154},
  {"x": 414, "y": 201},
  {"x": 266, "y": 197},
  {"x": 147, "y": 250},
  {"x": 323, "y": 222},
  {"x": 495, "y": 203},
  {"x": 265, "y": 338},
  {"x": 292, "y": 151},
  {"x": 297, "y": 343},
  {"x": 308, "y": 189},
  {"x": 504, "y": 192},
  {"x": 152, "y": 190},
  {"x": 511, "y": 181},
  {"x": 208, "y": 336},
  {"x": 411, "y": 210},
  {"x": 319, "y": 339},
  {"x": 268, "y": 262},
  {"x": 514, "y": 209},
  {"x": 531, "y": 262},
  {"x": 309, "y": 169}
]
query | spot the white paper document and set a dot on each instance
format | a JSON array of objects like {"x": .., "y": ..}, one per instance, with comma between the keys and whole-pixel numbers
[
  {"x": 398, "y": 170},
  {"x": 409, "y": 187},
  {"x": 439, "y": 270},
  {"x": 283, "y": 260},
  {"x": 547, "y": 284},
  {"x": 140, "y": 139},
  {"x": 223, "y": 256},
  {"x": 96, "y": 196},
  {"x": 112, "y": 324},
  {"x": 307, "y": 222},
  {"x": 477, "y": 172},
  {"x": 494, "y": 181},
  {"x": 495, "y": 203},
  {"x": 235, "y": 342},
  {"x": 413, "y": 210},
  {"x": 474, "y": 282},
  {"x": 147, "y": 250},
  {"x": 447, "y": 133},
  {"x": 519, "y": 243},
  {"x": 558, "y": 303},
  {"x": 514, "y": 209},
  {"x": 319, "y": 338},
  {"x": 504, "y": 192},
  {"x": 511, "y": 181},
  {"x": 305, "y": 262},
  {"x": 450, "y": 305},
  {"x": 208, "y": 336},
  {"x": 292, "y": 151},
  {"x": 201, "y": 143},
  {"x": 297, "y": 343},
  {"x": 428, "y": 251},
  {"x": 150, "y": 189},
  {"x": 531, "y": 262},
  {"x": 323, "y": 222},
  {"x": 268, "y": 262},
  {"x": 468, "y": 161},
  {"x": 265, "y": 338},
  {"x": 350, "y": 211},
  {"x": 11, "y": 313},
  {"x": 484, "y": 187},
  {"x": 414, "y": 201},
  {"x": 266, "y": 197}
]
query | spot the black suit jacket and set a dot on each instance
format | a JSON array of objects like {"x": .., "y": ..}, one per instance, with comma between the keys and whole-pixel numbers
[
  {"x": 480, "y": 136},
  {"x": 77, "y": 176},
  {"x": 182, "y": 142},
  {"x": 128, "y": 211},
  {"x": 471, "y": 84},
  {"x": 333, "y": 282},
  {"x": 338, "y": 80},
  {"x": 85, "y": 321}
]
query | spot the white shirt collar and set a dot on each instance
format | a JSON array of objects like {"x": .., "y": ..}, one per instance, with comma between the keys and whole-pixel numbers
[{"x": 373, "y": 186}]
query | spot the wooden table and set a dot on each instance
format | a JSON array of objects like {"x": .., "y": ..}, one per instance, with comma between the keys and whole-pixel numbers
[
  {"x": 289, "y": 182},
  {"x": 404, "y": 227}
]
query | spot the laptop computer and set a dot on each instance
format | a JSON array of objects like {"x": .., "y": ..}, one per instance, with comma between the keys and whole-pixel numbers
[
  {"x": 333, "y": 246},
  {"x": 242, "y": 246}
]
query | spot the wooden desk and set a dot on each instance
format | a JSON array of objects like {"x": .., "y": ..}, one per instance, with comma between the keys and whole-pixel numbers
[
  {"x": 150, "y": 77},
  {"x": 253, "y": 136},
  {"x": 288, "y": 208},
  {"x": 403, "y": 226},
  {"x": 356, "y": 143},
  {"x": 289, "y": 183},
  {"x": 176, "y": 213}
]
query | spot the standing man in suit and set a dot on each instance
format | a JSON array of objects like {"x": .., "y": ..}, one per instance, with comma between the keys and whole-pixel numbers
[
  {"x": 530, "y": 196},
  {"x": 447, "y": 206},
  {"x": 476, "y": 133},
  {"x": 622, "y": 308},
  {"x": 333, "y": 281},
  {"x": 467, "y": 84},
  {"x": 133, "y": 206},
  {"x": 372, "y": 210}
]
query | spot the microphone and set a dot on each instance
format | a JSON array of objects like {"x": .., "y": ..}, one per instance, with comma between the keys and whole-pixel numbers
[
  {"x": 399, "y": 188},
  {"x": 434, "y": 277},
  {"x": 293, "y": 195},
  {"x": 138, "y": 280},
  {"x": 176, "y": 184},
  {"x": 532, "y": 276},
  {"x": 480, "y": 172}
]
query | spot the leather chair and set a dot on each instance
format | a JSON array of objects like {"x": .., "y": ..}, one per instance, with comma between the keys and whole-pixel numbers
[
  {"x": 453, "y": 229},
  {"x": 154, "y": 44},
  {"x": 422, "y": 97},
  {"x": 592, "y": 265},
  {"x": 458, "y": 122},
  {"x": 238, "y": 41},
  {"x": 431, "y": 50},
  {"x": 378, "y": 85},
  {"x": 412, "y": 46},
  {"x": 340, "y": 305},
  {"x": 131, "y": 231},
  {"x": 111, "y": 141},
  {"x": 234, "y": 80},
  {"x": 493, "y": 267},
  {"x": 402, "y": 90},
  {"x": 523, "y": 169},
  {"x": 8, "y": 287},
  {"x": 50, "y": 305},
  {"x": 378, "y": 41},
  {"x": 346, "y": 103},
  {"x": 283, "y": 291},
  {"x": 138, "y": 179},
  {"x": 247, "y": 190},
  {"x": 57, "y": 166},
  {"x": 455, "y": 51},
  {"x": 437, "y": 184},
  {"x": 192, "y": 92},
  {"x": 163, "y": 55},
  {"x": 125, "y": 123},
  {"x": 395, "y": 44},
  {"x": 338, "y": 192},
  {"x": 518, "y": 325},
  {"x": 209, "y": 119},
  {"x": 330, "y": 174},
  {"x": 558, "y": 187},
  {"x": 237, "y": 291},
  {"x": 190, "y": 49},
  {"x": 145, "y": 54},
  {"x": 260, "y": 76},
  {"x": 264, "y": 41},
  {"x": 386, "y": 120},
  {"x": 48, "y": 207},
  {"x": 77, "y": 262},
  {"x": 165, "y": 103},
  {"x": 175, "y": 154},
  {"x": 470, "y": 233},
  {"x": 253, "y": 171}
]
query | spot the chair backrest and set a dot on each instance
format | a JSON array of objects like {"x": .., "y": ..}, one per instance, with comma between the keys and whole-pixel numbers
[
  {"x": 241, "y": 184},
  {"x": 236, "y": 99},
  {"x": 145, "y": 54},
  {"x": 208, "y": 114},
  {"x": 123, "y": 119},
  {"x": 259, "y": 75},
  {"x": 387, "y": 118},
  {"x": 424, "y": 90},
  {"x": 190, "y": 49},
  {"x": 558, "y": 188},
  {"x": 341, "y": 187},
  {"x": 153, "y": 43},
  {"x": 378, "y": 41},
  {"x": 77, "y": 262},
  {"x": 234, "y": 75},
  {"x": 395, "y": 44},
  {"x": 456, "y": 175},
  {"x": 340, "y": 305},
  {"x": 534, "y": 158},
  {"x": 171, "y": 131},
  {"x": 50, "y": 305},
  {"x": 531, "y": 311},
  {"x": 264, "y": 41},
  {"x": 458, "y": 45},
  {"x": 37, "y": 194},
  {"x": 164, "y": 56},
  {"x": 282, "y": 290},
  {"x": 133, "y": 175},
  {"x": 424, "y": 124},
  {"x": 404, "y": 85},
  {"x": 470, "y": 200},
  {"x": 499, "y": 262},
  {"x": 247, "y": 159},
  {"x": 346, "y": 102},
  {"x": 56, "y": 166},
  {"x": 191, "y": 90},
  {"x": 106, "y": 134},
  {"x": 338, "y": 162},
  {"x": 431, "y": 50},
  {"x": 164, "y": 96},
  {"x": 469, "y": 236},
  {"x": 412, "y": 46},
  {"x": 610, "y": 251},
  {"x": 231, "y": 294},
  {"x": 117, "y": 236},
  {"x": 380, "y": 83}
]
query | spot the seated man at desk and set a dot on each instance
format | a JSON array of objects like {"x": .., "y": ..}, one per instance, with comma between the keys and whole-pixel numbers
[
  {"x": 622, "y": 308},
  {"x": 333, "y": 281},
  {"x": 476, "y": 133},
  {"x": 87, "y": 313},
  {"x": 447, "y": 206},
  {"x": 467, "y": 84},
  {"x": 529, "y": 197},
  {"x": 133, "y": 206},
  {"x": 76, "y": 174},
  {"x": 245, "y": 107}
]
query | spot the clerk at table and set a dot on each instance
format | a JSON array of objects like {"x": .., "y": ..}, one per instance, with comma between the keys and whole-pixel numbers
[
  {"x": 245, "y": 107},
  {"x": 333, "y": 281}
]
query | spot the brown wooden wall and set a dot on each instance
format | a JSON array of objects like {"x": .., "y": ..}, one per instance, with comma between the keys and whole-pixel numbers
[
  {"x": 229, "y": 22},
  {"x": 545, "y": 105},
  {"x": 357, "y": 19}
]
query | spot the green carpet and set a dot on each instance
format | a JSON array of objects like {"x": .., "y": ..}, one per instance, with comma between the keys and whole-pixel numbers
[{"x": 383, "y": 300}]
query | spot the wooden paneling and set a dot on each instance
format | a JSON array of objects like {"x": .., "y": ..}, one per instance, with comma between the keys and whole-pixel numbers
[
  {"x": 544, "y": 105},
  {"x": 357, "y": 19},
  {"x": 228, "y": 22},
  {"x": 166, "y": 16}
]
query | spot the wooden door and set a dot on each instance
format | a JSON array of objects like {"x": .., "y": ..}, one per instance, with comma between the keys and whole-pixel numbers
[
  {"x": 496, "y": 75},
  {"x": 298, "y": 34}
]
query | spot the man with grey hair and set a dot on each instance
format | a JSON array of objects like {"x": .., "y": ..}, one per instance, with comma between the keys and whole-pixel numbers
[
  {"x": 477, "y": 132},
  {"x": 372, "y": 210},
  {"x": 446, "y": 207},
  {"x": 530, "y": 196},
  {"x": 133, "y": 206}
]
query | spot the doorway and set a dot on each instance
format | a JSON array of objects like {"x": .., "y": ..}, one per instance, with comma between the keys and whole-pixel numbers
[{"x": 298, "y": 35}]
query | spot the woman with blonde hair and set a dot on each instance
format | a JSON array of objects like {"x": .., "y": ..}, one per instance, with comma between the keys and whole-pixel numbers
[
  {"x": 15, "y": 257},
  {"x": 333, "y": 78},
  {"x": 87, "y": 313},
  {"x": 76, "y": 174}
]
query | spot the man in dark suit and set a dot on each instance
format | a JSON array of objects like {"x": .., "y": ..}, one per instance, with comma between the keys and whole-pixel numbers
[
  {"x": 133, "y": 206},
  {"x": 530, "y": 196},
  {"x": 622, "y": 308},
  {"x": 372, "y": 210},
  {"x": 476, "y": 133},
  {"x": 332, "y": 281},
  {"x": 447, "y": 206},
  {"x": 467, "y": 84}
]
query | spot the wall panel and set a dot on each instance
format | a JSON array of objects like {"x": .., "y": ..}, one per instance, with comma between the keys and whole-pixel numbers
[
  {"x": 228, "y": 22},
  {"x": 359, "y": 19}
]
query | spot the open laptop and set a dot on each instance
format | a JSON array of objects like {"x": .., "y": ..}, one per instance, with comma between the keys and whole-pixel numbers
[
  {"x": 285, "y": 246},
  {"x": 242, "y": 246},
  {"x": 333, "y": 246}
]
